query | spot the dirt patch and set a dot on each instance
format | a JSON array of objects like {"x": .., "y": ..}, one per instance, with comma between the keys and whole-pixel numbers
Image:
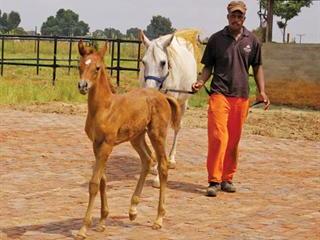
[
  {"x": 296, "y": 93},
  {"x": 280, "y": 122}
]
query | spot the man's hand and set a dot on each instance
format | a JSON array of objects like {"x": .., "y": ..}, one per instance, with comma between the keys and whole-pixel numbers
[
  {"x": 264, "y": 98},
  {"x": 197, "y": 85}
]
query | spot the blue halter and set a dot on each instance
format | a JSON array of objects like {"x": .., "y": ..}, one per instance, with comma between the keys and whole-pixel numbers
[{"x": 157, "y": 79}]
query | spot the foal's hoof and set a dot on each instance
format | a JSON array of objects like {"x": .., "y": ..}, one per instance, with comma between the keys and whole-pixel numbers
[
  {"x": 156, "y": 226},
  {"x": 132, "y": 216},
  {"x": 101, "y": 228},
  {"x": 172, "y": 165},
  {"x": 81, "y": 236},
  {"x": 82, "y": 233}
]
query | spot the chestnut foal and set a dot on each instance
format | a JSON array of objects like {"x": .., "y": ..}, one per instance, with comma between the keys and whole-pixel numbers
[{"x": 116, "y": 118}]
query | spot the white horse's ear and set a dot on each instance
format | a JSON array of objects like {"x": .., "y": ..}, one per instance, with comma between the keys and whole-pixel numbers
[
  {"x": 168, "y": 41},
  {"x": 143, "y": 38}
]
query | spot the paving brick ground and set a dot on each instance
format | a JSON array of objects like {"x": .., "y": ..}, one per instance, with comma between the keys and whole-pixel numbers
[{"x": 46, "y": 162}]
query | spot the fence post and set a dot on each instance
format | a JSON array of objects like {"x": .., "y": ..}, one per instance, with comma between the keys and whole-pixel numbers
[
  {"x": 118, "y": 63},
  {"x": 70, "y": 51},
  {"x": 38, "y": 53},
  {"x": 112, "y": 56},
  {"x": 138, "y": 60},
  {"x": 2, "y": 54},
  {"x": 54, "y": 60}
]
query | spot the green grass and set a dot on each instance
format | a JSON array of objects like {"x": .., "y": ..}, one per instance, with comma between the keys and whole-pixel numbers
[{"x": 23, "y": 86}]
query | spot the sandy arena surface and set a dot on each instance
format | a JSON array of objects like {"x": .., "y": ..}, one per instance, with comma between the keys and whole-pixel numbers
[{"x": 46, "y": 162}]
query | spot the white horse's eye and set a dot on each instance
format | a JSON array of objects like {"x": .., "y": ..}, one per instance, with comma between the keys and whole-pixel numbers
[{"x": 162, "y": 63}]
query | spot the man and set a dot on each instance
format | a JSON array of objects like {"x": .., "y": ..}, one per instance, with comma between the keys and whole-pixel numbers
[{"x": 229, "y": 53}]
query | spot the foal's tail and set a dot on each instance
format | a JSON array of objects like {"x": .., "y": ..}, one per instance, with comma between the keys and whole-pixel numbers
[{"x": 175, "y": 112}]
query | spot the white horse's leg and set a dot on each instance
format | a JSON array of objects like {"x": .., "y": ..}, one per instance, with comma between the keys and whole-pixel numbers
[
  {"x": 156, "y": 181},
  {"x": 172, "y": 154}
]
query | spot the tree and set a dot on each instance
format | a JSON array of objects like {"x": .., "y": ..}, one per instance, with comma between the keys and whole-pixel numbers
[
  {"x": 19, "y": 31},
  {"x": 286, "y": 10},
  {"x": 65, "y": 23},
  {"x": 133, "y": 33},
  {"x": 9, "y": 22},
  {"x": 108, "y": 33},
  {"x": 159, "y": 26},
  {"x": 112, "y": 33},
  {"x": 98, "y": 34}
]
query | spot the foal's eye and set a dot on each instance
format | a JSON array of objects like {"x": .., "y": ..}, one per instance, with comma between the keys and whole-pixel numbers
[
  {"x": 162, "y": 63},
  {"x": 97, "y": 68}
]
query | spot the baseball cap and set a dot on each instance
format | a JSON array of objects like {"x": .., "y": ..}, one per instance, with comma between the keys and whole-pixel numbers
[{"x": 237, "y": 6}]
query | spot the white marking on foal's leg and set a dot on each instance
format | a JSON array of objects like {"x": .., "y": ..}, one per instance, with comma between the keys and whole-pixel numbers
[{"x": 133, "y": 207}]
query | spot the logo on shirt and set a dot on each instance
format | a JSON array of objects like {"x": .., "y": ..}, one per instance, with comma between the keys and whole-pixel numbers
[{"x": 247, "y": 49}]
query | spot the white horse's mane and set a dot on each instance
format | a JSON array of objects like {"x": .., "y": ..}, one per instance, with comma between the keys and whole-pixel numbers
[{"x": 178, "y": 42}]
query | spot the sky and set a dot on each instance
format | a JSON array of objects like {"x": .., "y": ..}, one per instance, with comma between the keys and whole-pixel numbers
[{"x": 209, "y": 16}]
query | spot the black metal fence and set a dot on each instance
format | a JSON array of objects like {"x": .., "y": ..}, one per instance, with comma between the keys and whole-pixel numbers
[{"x": 54, "y": 62}]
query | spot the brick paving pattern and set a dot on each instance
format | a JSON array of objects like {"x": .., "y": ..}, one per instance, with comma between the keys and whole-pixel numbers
[{"x": 46, "y": 163}]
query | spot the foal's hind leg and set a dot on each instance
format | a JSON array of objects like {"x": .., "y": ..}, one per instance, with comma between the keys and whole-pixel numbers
[
  {"x": 153, "y": 165},
  {"x": 104, "y": 204},
  {"x": 143, "y": 150},
  {"x": 157, "y": 138}
]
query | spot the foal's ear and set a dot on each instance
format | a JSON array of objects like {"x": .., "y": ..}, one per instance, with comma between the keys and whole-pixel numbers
[
  {"x": 82, "y": 49},
  {"x": 168, "y": 41},
  {"x": 143, "y": 38},
  {"x": 104, "y": 49}
]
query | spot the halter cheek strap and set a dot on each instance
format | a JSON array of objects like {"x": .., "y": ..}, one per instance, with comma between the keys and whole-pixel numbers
[{"x": 157, "y": 79}]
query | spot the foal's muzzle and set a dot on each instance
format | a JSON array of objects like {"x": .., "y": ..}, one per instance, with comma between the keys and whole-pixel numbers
[{"x": 83, "y": 86}]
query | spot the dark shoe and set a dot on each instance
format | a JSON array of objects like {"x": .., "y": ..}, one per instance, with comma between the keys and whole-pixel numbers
[
  {"x": 212, "y": 189},
  {"x": 228, "y": 187}
]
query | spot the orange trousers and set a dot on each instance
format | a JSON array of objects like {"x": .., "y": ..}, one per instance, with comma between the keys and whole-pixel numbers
[{"x": 226, "y": 116}]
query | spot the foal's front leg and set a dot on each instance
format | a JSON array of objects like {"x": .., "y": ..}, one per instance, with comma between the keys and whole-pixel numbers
[
  {"x": 101, "y": 153},
  {"x": 104, "y": 204}
]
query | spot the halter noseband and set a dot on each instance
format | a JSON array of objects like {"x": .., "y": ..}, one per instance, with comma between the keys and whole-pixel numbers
[{"x": 157, "y": 79}]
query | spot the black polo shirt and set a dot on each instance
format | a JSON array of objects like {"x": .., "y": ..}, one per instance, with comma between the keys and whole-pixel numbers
[{"x": 231, "y": 60}]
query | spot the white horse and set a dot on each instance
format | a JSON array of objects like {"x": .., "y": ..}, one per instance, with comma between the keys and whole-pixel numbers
[{"x": 170, "y": 65}]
